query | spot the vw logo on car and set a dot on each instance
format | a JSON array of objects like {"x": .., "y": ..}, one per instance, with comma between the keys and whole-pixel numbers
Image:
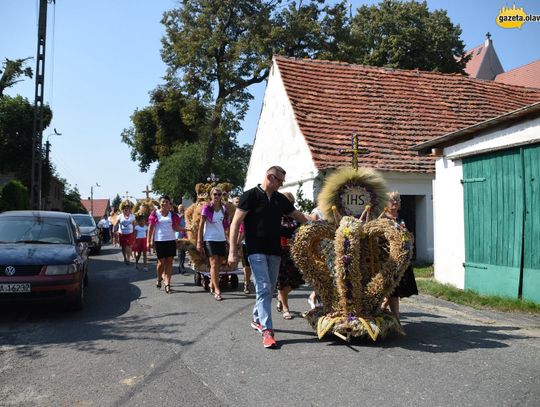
[{"x": 9, "y": 271}]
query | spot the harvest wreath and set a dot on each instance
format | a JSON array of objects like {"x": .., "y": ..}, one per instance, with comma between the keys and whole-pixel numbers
[{"x": 352, "y": 262}]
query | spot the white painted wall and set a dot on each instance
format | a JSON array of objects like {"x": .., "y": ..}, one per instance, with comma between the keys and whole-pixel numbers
[
  {"x": 449, "y": 238},
  {"x": 449, "y": 228},
  {"x": 523, "y": 133},
  {"x": 278, "y": 141}
]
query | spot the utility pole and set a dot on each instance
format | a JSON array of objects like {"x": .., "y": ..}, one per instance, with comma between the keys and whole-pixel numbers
[
  {"x": 45, "y": 194},
  {"x": 37, "y": 136},
  {"x": 48, "y": 146},
  {"x": 92, "y": 199}
]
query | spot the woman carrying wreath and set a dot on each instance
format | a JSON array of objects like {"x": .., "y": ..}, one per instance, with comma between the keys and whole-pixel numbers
[
  {"x": 163, "y": 223},
  {"x": 407, "y": 284},
  {"x": 212, "y": 239}
]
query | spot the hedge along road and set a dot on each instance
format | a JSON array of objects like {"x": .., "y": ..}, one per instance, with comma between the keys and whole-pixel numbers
[{"x": 135, "y": 345}]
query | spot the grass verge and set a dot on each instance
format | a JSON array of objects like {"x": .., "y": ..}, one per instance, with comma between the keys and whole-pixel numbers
[{"x": 427, "y": 285}]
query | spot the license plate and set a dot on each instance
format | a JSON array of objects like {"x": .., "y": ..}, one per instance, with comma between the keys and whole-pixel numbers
[{"x": 15, "y": 288}]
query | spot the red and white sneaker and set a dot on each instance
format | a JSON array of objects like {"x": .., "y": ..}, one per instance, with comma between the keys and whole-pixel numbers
[
  {"x": 258, "y": 327},
  {"x": 268, "y": 339}
]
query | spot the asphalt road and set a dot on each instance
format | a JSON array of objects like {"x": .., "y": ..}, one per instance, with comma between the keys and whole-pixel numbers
[{"x": 136, "y": 346}]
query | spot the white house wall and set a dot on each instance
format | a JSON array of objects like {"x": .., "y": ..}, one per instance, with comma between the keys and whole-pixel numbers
[
  {"x": 520, "y": 134},
  {"x": 278, "y": 141},
  {"x": 448, "y": 222},
  {"x": 449, "y": 233}
]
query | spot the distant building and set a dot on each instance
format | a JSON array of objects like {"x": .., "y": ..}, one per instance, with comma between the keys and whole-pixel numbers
[
  {"x": 97, "y": 207},
  {"x": 527, "y": 75},
  {"x": 485, "y": 64}
]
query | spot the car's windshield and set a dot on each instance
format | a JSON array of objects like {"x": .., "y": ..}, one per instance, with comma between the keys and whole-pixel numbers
[
  {"x": 84, "y": 220},
  {"x": 19, "y": 229}
]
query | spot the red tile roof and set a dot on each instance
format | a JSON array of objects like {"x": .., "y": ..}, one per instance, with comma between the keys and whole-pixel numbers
[
  {"x": 391, "y": 110},
  {"x": 477, "y": 56},
  {"x": 526, "y": 75},
  {"x": 100, "y": 206}
]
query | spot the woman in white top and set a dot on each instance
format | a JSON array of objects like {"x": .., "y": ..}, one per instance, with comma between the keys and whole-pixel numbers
[
  {"x": 126, "y": 236},
  {"x": 140, "y": 246},
  {"x": 211, "y": 231},
  {"x": 163, "y": 223}
]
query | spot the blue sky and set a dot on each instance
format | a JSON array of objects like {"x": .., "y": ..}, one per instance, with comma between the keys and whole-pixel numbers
[{"x": 102, "y": 59}]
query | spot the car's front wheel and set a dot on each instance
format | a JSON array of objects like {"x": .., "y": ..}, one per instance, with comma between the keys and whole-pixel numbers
[{"x": 77, "y": 302}]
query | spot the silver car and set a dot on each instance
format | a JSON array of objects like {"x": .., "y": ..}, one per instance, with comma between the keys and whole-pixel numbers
[{"x": 88, "y": 227}]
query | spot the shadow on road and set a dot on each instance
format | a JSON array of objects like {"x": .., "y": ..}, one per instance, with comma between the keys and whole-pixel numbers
[
  {"x": 441, "y": 337},
  {"x": 109, "y": 295},
  {"x": 112, "y": 292},
  {"x": 425, "y": 333}
]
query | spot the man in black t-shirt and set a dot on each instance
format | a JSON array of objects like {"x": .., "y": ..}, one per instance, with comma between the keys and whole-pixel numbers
[{"x": 261, "y": 209}]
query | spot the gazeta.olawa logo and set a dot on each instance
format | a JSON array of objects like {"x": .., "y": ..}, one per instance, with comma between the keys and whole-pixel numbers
[{"x": 515, "y": 17}]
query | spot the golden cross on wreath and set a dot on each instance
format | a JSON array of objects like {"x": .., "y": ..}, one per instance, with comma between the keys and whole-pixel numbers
[
  {"x": 354, "y": 151},
  {"x": 147, "y": 192}
]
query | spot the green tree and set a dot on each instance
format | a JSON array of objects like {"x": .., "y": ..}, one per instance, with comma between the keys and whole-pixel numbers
[
  {"x": 178, "y": 173},
  {"x": 297, "y": 29},
  {"x": 216, "y": 49},
  {"x": 16, "y": 132},
  {"x": 116, "y": 202},
  {"x": 406, "y": 35},
  {"x": 306, "y": 205},
  {"x": 11, "y": 71},
  {"x": 171, "y": 119},
  {"x": 14, "y": 195},
  {"x": 335, "y": 41},
  {"x": 72, "y": 200}
]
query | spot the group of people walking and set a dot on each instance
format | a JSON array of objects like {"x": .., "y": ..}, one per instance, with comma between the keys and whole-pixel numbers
[
  {"x": 137, "y": 236},
  {"x": 262, "y": 226}
]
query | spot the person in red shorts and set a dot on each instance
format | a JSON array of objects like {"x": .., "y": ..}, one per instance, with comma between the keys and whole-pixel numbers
[
  {"x": 126, "y": 230},
  {"x": 139, "y": 247}
]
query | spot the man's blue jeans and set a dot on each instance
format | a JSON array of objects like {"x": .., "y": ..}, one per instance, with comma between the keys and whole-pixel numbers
[{"x": 265, "y": 270}]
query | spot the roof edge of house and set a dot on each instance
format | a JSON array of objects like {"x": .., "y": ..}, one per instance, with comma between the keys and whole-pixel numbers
[{"x": 468, "y": 132}]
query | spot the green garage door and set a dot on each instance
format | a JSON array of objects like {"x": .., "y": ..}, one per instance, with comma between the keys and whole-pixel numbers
[
  {"x": 531, "y": 236},
  {"x": 502, "y": 218}
]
